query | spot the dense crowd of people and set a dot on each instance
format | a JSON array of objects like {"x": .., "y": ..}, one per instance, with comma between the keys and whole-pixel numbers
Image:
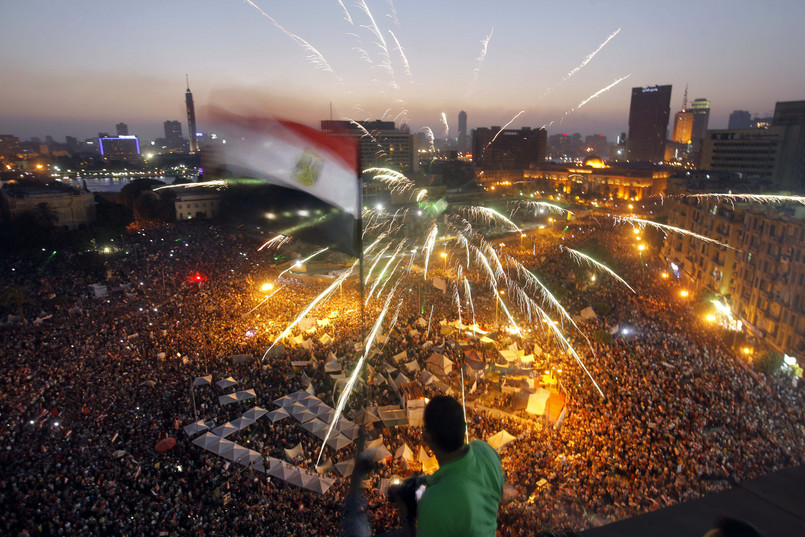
[{"x": 92, "y": 389}]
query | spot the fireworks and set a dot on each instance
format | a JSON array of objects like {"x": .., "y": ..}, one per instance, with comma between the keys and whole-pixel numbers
[
  {"x": 599, "y": 92},
  {"x": 592, "y": 262},
  {"x": 479, "y": 62},
  {"x": 752, "y": 198},
  {"x": 592, "y": 55},
  {"x": 639, "y": 223}
]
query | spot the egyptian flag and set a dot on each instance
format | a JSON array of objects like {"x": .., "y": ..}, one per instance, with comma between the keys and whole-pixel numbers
[{"x": 258, "y": 155}]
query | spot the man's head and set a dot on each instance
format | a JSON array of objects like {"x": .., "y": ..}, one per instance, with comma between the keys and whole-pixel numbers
[{"x": 444, "y": 424}]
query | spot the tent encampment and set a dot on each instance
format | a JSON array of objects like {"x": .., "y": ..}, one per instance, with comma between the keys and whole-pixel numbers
[{"x": 500, "y": 439}]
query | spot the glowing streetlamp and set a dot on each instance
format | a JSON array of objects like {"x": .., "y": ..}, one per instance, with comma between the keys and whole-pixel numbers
[
  {"x": 710, "y": 318},
  {"x": 684, "y": 293},
  {"x": 267, "y": 287},
  {"x": 444, "y": 256},
  {"x": 664, "y": 275}
]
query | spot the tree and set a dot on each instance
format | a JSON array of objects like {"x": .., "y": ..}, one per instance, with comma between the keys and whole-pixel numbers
[
  {"x": 16, "y": 296},
  {"x": 768, "y": 362}
]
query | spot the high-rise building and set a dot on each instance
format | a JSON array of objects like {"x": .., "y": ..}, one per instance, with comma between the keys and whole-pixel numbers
[
  {"x": 753, "y": 153},
  {"x": 385, "y": 147},
  {"x": 683, "y": 127},
  {"x": 739, "y": 119},
  {"x": 122, "y": 129},
  {"x": 790, "y": 116},
  {"x": 701, "y": 118},
  {"x": 463, "y": 146},
  {"x": 125, "y": 148},
  {"x": 511, "y": 149},
  {"x": 648, "y": 122},
  {"x": 191, "y": 119}
]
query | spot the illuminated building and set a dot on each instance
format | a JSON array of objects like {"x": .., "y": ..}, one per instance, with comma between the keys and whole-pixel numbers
[
  {"x": 197, "y": 204},
  {"x": 70, "y": 207},
  {"x": 761, "y": 278},
  {"x": 191, "y": 119},
  {"x": 595, "y": 178},
  {"x": 173, "y": 137},
  {"x": 701, "y": 119},
  {"x": 121, "y": 148},
  {"x": 512, "y": 149},
  {"x": 683, "y": 127},
  {"x": 648, "y": 123}
]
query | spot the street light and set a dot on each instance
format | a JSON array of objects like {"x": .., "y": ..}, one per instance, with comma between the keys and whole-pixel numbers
[
  {"x": 444, "y": 256},
  {"x": 266, "y": 287},
  {"x": 497, "y": 299},
  {"x": 684, "y": 293}
]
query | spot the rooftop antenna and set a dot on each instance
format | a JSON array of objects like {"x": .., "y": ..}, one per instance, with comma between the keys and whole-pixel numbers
[{"x": 187, "y": 78}]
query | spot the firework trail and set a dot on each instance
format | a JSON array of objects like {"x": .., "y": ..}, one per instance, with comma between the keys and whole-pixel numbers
[
  {"x": 599, "y": 92},
  {"x": 541, "y": 205},
  {"x": 508, "y": 314},
  {"x": 342, "y": 399},
  {"x": 446, "y": 127},
  {"x": 324, "y": 295},
  {"x": 495, "y": 137},
  {"x": 385, "y": 63},
  {"x": 591, "y": 56},
  {"x": 276, "y": 242},
  {"x": 397, "y": 181},
  {"x": 346, "y": 13},
  {"x": 217, "y": 182},
  {"x": 753, "y": 198},
  {"x": 579, "y": 257},
  {"x": 468, "y": 294},
  {"x": 393, "y": 14},
  {"x": 302, "y": 262},
  {"x": 314, "y": 56},
  {"x": 429, "y": 243},
  {"x": 479, "y": 62},
  {"x": 569, "y": 348},
  {"x": 490, "y": 215},
  {"x": 264, "y": 300},
  {"x": 640, "y": 223},
  {"x": 403, "y": 57},
  {"x": 430, "y": 137}
]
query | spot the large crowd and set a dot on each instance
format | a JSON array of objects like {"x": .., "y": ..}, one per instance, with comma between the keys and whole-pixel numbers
[{"x": 89, "y": 392}]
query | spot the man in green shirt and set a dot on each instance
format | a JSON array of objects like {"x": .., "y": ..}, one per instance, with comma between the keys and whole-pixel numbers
[{"x": 462, "y": 496}]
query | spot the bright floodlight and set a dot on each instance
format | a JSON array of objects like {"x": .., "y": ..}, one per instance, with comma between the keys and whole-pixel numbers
[
  {"x": 683, "y": 293},
  {"x": 268, "y": 286},
  {"x": 711, "y": 317}
]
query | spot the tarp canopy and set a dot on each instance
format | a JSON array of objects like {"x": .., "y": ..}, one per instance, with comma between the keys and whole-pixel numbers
[
  {"x": 440, "y": 363},
  {"x": 536, "y": 402},
  {"x": 345, "y": 468},
  {"x": 279, "y": 414},
  {"x": 202, "y": 381},
  {"x": 226, "y": 383},
  {"x": 412, "y": 366},
  {"x": 332, "y": 366},
  {"x": 294, "y": 452},
  {"x": 298, "y": 340},
  {"x": 500, "y": 439},
  {"x": 195, "y": 427},
  {"x": 400, "y": 356},
  {"x": 378, "y": 453},
  {"x": 405, "y": 453},
  {"x": 325, "y": 339},
  {"x": 422, "y": 456},
  {"x": 587, "y": 314},
  {"x": 307, "y": 323}
]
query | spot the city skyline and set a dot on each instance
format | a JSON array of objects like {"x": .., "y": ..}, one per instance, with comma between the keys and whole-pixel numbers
[{"x": 92, "y": 67}]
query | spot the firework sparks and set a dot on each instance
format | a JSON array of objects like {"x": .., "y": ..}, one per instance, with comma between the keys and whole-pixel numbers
[
  {"x": 603, "y": 90},
  {"x": 218, "y": 182},
  {"x": 302, "y": 262},
  {"x": 276, "y": 242},
  {"x": 403, "y": 57},
  {"x": 490, "y": 216},
  {"x": 264, "y": 300},
  {"x": 569, "y": 348},
  {"x": 752, "y": 198},
  {"x": 579, "y": 257},
  {"x": 347, "y": 16},
  {"x": 495, "y": 137},
  {"x": 342, "y": 399},
  {"x": 541, "y": 206},
  {"x": 479, "y": 62},
  {"x": 446, "y": 135},
  {"x": 314, "y": 56},
  {"x": 591, "y": 56},
  {"x": 429, "y": 243},
  {"x": 642, "y": 224},
  {"x": 323, "y": 296}
]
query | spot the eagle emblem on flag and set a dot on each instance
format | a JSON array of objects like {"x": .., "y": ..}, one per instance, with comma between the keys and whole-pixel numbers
[{"x": 308, "y": 168}]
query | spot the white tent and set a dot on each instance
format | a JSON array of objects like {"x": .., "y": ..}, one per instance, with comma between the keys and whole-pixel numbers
[
  {"x": 508, "y": 355},
  {"x": 307, "y": 323},
  {"x": 588, "y": 313},
  {"x": 405, "y": 453},
  {"x": 400, "y": 356},
  {"x": 422, "y": 322},
  {"x": 500, "y": 439},
  {"x": 332, "y": 366},
  {"x": 439, "y": 364},
  {"x": 283, "y": 401},
  {"x": 325, "y": 339},
  {"x": 255, "y": 413},
  {"x": 338, "y": 441},
  {"x": 345, "y": 468},
  {"x": 374, "y": 443},
  {"x": 412, "y": 366},
  {"x": 225, "y": 430},
  {"x": 294, "y": 452},
  {"x": 316, "y": 427},
  {"x": 202, "y": 381},
  {"x": 536, "y": 402},
  {"x": 195, "y": 427},
  {"x": 307, "y": 344},
  {"x": 378, "y": 453},
  {"x": 227, "y": 399},
  {"x": 426, "y": 377},
  {"x": 280, "y": 469},
  {"x": 440, "y": 284},
  {"x": 323, "y": 322},
  {"x": 298, "y": 340},
  {"x": 422, "y": 456}
]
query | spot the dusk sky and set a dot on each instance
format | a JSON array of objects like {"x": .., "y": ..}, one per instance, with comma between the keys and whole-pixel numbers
[{"x": 77, "y": 68}]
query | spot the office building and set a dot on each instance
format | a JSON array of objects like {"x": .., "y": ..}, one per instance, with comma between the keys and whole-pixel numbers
[
  {"x": 683, "y": 127},
  {"x": 385, "y": 146},
  {"x": 509, "y": 149},
  {"x": 648, "y": 123},
  {"x": 701, "y": 119},
  {"x": 120, "y": 148},
  {"x": 463, "y": 145},
  {"x": 122, "y": 129},
  {"x": 752, "y": 153},
  {"x": 739, "y": 119},
  {"x": 72, "y": 208},
  {"x": 790, "y": 117}
]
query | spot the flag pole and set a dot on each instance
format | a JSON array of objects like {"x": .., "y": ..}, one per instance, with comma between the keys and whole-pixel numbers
[{"x": 359, "y": 214}]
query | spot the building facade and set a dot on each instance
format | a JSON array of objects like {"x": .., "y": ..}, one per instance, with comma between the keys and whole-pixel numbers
[
  {"x": 761, "y": 276},
  {"x": 120, "y": 148},
  {"x": 739, "y": 119},
  {"x": 648, "y": 123},
  {"x": 463, "y": 144},
  {"x": 790, "y": 117},
  {"x": 509, "y": 149},
  {"x": 749, "y": 152},
  {"x": 382, "y": 144},
  {"x": 70, "y": 208},
  {"x": 197, "y": 204}
]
